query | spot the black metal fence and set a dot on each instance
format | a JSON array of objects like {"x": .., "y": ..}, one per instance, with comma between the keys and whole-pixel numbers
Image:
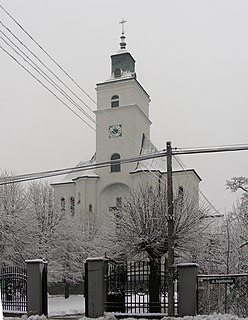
[
  {"x": 13, "y": 283},
  {"x": 137, "y": 287},
  {"x": 223, "y": 294}
]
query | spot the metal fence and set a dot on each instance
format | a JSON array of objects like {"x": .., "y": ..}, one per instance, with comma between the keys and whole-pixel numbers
[
  {"x": 223, "y": 294},
  {"x": 13, "y": 283},
  {"x": 137, "y": 287}
]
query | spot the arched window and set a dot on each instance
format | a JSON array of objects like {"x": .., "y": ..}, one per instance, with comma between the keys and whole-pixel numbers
[
  {"x": 62, "y": 203},
  {"x": 115, "y": 167},
  {"x": 115, "y": 101},
  {"x": 72, "y": 205},
  {"x": 180, "y": 195}
]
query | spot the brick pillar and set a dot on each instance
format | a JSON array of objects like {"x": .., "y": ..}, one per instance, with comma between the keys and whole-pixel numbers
[
  {"x": 36, "y": 287},
  {"x": 96, "y": 291},
  {"x": 187, "y": 277}
]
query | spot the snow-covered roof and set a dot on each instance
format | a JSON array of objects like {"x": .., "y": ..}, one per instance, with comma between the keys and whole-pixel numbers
[
  {"x": 155, "y": 164},
  {"x": 79, "y": 174}
]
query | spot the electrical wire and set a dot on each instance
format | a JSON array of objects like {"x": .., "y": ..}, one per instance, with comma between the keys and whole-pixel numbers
[
  {"x": 202, "y": 194},
  {"x": 57, "y": 172},
  {"x": 44, "y": 75},
  {"x": 52, "y": 80},
  {"x": 62, "y": 69},
  {"x": 9, "y": 54}
]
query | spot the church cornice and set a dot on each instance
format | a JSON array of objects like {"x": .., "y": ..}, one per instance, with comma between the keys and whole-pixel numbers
[
  {"x": 174, "y": 172},
  {"x": 86, "y": 178},
  {"x": 126, "y": 106},
  {"x": 121, "y": 80}
]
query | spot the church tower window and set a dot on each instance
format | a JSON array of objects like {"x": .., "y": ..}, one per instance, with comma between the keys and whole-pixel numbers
[
  {"x": 72, "y": 205},
  {"x": 115, "y": 101},
  {"x": 115, "y": 167}
]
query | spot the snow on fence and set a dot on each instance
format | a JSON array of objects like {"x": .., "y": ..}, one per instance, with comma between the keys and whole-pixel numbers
[{"x": 13, "y": 283}]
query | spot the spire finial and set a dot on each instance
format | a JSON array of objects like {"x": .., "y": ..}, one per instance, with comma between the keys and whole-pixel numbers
[{"x": 123, "y": 42}]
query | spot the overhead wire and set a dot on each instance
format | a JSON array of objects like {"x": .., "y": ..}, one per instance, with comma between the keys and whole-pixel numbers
[
  {"x": 49, "y": 68},
  {"x": 44, "y": 65},
  {"x": 190, "y": 177},
  {"x": 58, "y": 65},
  {"x": 52, "y": 173},
  {"x": 58, "y": 98},
  {"x": 43, "y": 74}
]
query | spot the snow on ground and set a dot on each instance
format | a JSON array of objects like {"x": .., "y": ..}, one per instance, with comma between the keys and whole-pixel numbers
[{"x": 59, "y": 306}]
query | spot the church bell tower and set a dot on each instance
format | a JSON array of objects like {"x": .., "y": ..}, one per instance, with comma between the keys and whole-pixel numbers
[{"x": 122, "y": 114}]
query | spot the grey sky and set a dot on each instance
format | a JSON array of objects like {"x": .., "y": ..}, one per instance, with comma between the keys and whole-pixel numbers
[{"x": 191, "y": 57}]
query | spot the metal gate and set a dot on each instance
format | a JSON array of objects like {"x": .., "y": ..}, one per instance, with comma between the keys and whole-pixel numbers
[
  {"x": 137, "y": 287},
  {"x": 13, "y": 282},
  {"x": 223, "y": 294}
]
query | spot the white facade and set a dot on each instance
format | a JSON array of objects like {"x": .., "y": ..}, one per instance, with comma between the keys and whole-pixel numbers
[{"x": 122, "y": 130}]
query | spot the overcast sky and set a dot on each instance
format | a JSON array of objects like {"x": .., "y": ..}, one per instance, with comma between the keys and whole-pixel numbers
[{"x": 191, "y": 57}]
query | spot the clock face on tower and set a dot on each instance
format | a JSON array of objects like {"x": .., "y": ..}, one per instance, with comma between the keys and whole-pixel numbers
[{"x": 115, "y": 131}]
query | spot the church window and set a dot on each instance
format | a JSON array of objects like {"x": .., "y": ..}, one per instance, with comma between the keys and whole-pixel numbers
[
  {"x": 78, "y": 198},
  {"x": 116, "y": 166},
  {"x": 180, "y": 195},
  {"x": 62, "y": 203},
  {"x": 72, "y": 205},
  {"x": 118, "y": 202},
  {"x": 115, "y": 101}
]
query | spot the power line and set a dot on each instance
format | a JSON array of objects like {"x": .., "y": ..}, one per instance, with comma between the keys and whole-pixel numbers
[
  {"x": 47, "y": 78},
  {"x": 57, "y": 172},
  {"x": 65, "y": 104},
  {"x": 44, "y": 65},
  {"x": 183, "y": 151},
  {"x": 44, "y": 75},
  {"x": 173, "y": 152},
  {"x": 63, "y": 70},
  {"x": 159, "y": 154},
  {"x": 59, "y": 67}
]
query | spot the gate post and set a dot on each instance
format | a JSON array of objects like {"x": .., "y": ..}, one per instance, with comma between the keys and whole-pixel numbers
[
  {"x": 95, "y": 286},
  {"x": 36, "y": 287},
  {"x": 187, "y": 277}
]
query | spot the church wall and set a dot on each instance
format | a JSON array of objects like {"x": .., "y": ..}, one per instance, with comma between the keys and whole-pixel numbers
[
  {"x": 129, "y": 92},
  {"x": 129, "y": 143},
  {"x": 66, "y": 191},
  {"x": 86, "y": 195}
]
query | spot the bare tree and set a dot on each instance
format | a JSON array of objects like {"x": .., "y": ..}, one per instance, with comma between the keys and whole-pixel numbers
[
  {"x": 239, "y": 219},
  {"x": 13, "y": 218},
  {"x": 138, "y": 227}
]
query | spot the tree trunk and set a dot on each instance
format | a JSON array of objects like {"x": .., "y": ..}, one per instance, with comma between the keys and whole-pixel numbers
[
  {"x": 155, "y": 285},
  {"x": 67, "y": 289}
]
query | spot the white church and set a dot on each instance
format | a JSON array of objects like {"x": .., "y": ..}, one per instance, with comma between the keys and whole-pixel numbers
[{"x": 122, "y": 132}]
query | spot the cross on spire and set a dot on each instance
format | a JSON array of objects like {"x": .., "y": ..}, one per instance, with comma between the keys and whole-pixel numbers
[
  {"x": 123, "y": 42},
  {"x": 122, "y": 25}
]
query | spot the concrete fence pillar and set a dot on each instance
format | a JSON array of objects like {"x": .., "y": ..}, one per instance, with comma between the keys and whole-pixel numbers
[
  {"x": 187, "y": 278},
  {"x": 36, "y": 287},
  {"x": 96, "y": 291}
]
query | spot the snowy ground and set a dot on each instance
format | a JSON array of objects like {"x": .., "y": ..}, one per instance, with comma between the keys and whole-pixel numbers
[{"x": 58, "y": 306}]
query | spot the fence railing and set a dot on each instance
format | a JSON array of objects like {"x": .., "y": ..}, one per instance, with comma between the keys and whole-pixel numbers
[
  {"x": 138, "y": 287},
  {"x": 13, "y": 283},
  {"x": 223, "y": 294}
]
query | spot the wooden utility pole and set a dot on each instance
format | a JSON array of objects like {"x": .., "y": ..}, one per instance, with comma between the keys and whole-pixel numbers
[{"x": 170, "y": 259}]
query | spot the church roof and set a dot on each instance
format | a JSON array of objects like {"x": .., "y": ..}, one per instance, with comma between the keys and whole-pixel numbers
[
  {"x": 80, "y": 174},
  {"x": 155, "y": 164}
]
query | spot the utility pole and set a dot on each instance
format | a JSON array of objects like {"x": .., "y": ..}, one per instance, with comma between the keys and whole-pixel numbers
[{"x": 170, "y": 259}]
